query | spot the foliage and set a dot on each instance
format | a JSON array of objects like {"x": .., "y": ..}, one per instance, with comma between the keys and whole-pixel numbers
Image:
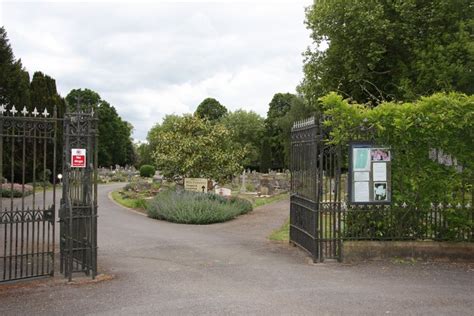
[
  {"x": 299, "y": 110},
  {"x": 115, "y": 143},
  {"x": 278, "y": 108},
  {"x": 14, "y": 79},
  {"x": 145, "y": 150},
  {"x": 196, "y": 208},
  {"x": 16, "y": 89},
  {"x": 85, "y": 98},
  {"x": 18, "y": 191},
  {"x": 129, "y": 200},
  {"x": 442, "y": 121},
  {"x": 135, "y": 194},
  {"x": 197, "y": 148},
  {"x": 147, "y": 171},
  {"x": 142, "y": 187},
  {"x": 247, "y": 130},
  {"x": 143, "y": 155},
  {"x": 211, "y": 109},
  {"x": 388, "y": 50}
]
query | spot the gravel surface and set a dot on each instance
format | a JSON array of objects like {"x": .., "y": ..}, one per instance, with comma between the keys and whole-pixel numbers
[{"x": 152, "y": 267}]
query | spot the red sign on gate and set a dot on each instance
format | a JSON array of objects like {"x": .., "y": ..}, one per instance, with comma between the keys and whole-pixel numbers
[{"x": 78, "y": 158}]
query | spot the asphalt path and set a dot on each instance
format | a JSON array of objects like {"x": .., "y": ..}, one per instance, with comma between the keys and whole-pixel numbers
[{"x": 160, "y": 268}]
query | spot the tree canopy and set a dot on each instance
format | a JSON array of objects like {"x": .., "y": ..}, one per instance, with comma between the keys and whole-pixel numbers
[
  {"x": 86, "y": 98},
  {"x": 197, "y": 148},
  {"x": 17, "y": 90},
  {"x": 115, "y": 144},
  {"x": 14, "y": 79},
  {"x": 274, "y": 147},
  {"x": 211, "y": 109},
  {"x": 388, "y": 50},
  {"x": 247, "y": 130}
]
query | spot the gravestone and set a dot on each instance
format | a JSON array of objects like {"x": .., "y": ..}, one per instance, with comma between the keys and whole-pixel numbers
[
  {"x": 223, "y": 192},
  {"x": 243, "y": 188}
]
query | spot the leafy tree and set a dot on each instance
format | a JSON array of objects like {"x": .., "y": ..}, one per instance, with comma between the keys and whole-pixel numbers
[
  {"x": 279, "y": 106},
  {"x": 86, "y": 98},
  {"x": 14, "y": 79},
  {"x": 211, "y": 109},
  {"x": 299, "y": 110},
  {"x": 115, "y": 144},
  {"x": 247, "y": 129},
  {"x": 16, "y": 89},
  {"x": 144, "y": 151},
  {"x": 143, "y": 155},
  {"x": 389, "y": 50},
  {"x": 44, "y": 95},
  {"x": 197, "y": 148}
]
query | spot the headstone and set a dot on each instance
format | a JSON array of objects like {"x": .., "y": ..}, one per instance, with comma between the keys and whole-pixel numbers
[
  {"x": 265, "y": 186},
  {"x": 243, "y": 188},
  {"x": 223, "y": 192}
]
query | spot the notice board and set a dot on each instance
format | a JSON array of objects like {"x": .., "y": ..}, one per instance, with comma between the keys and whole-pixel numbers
[{"x": 369, "y": 174}]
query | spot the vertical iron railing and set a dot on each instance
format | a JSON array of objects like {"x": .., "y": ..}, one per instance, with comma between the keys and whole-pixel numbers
[
  {"x": 317, "y": 191},
  {"x": 78, "y": 212},
  {"x": 305, "y": 185},
  {"x": 27, "y": 214},
  {"x": 321, "y": 217}
]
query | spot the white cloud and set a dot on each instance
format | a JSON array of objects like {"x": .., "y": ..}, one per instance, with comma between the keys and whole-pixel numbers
[{"x": 150, "y": 59}]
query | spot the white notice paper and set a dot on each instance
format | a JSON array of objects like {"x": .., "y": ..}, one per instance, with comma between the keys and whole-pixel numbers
[
  {"x": 361, "y": 176},
  {"x": 379, "y": 171},
  {"x": 361, "y": 192}
]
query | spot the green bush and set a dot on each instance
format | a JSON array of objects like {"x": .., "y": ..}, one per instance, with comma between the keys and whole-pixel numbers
[
  {"x": 18, "y": 189},
  {"x": 147, "y": 171},
  {"x": 443, "y": 121},
  {"x": 196, "y": 208}
]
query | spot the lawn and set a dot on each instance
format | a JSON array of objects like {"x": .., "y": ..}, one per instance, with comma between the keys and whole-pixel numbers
[
  {"x": 138, "y": 204},
  {"x": 260, "y": 201}
]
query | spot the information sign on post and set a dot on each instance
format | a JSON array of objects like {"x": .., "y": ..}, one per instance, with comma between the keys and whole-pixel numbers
[
  {"x": 78, "y": 158},
  {"x": 195, "y": 184},
  {"x": 369, "y": 174}
]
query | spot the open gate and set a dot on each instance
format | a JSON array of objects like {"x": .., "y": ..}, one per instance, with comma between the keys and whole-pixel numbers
[
  {"x": 30, "y": 142},
  {"x": 317, "y": 193}
]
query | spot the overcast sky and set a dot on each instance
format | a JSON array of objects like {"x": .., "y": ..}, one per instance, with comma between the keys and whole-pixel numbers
[{"x": 152, "y": 59}]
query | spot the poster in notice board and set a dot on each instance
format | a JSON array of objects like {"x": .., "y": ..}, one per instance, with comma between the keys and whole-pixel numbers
[{"x": 369, "y": 174}]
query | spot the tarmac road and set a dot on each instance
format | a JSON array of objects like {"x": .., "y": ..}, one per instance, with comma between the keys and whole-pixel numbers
[{"x": 161, "y": 268}]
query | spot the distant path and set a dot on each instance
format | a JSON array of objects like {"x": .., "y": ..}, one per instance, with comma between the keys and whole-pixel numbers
[{"x": 162, "y": 268}]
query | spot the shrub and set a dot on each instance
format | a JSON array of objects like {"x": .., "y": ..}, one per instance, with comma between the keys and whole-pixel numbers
[
  {"x": 196, "y": 208},
  {"x": 138, "y": 186},
  {"x": 6, "y": 191},
  {"x": 147, "y": 171}
]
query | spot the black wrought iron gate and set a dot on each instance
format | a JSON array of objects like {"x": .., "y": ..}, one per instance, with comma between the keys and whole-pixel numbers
[
  {"x": 28, "y": 177},
  {"x": 317, "y": 193},
  {"x": 27, "y": 206}
]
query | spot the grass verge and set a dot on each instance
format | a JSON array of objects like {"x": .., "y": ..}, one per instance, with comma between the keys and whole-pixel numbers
[
  {"x": 137, "y": 204},
  {"x": 258, "y": 201},
  {"x": 281, "y": 234}
]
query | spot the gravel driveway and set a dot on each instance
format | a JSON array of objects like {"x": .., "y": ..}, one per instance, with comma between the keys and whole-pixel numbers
[{"x": 160, "y": 268}]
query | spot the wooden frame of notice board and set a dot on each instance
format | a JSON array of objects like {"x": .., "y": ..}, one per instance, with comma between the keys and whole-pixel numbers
[{"x": 370, "y": 180}]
